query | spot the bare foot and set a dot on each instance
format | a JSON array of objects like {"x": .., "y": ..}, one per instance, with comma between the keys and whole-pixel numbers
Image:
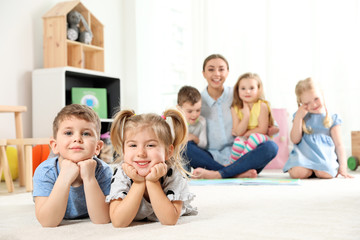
[
  {"x": 201, "y": 173},
  {"x": 248, "y": 174}
]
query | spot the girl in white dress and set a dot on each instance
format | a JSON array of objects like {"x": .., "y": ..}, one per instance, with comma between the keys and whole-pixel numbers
[{"x": 150, "y": 184}]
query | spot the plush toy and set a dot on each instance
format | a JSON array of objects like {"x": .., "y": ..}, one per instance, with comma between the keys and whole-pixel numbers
[{"x": 73, "y": 31}]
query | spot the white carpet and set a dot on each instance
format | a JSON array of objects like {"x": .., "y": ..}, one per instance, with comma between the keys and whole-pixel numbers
[{"x": 315, "y": 209}]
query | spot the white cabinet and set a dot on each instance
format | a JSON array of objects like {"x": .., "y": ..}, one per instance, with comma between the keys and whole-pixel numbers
[{"x": 51, "y": 89}]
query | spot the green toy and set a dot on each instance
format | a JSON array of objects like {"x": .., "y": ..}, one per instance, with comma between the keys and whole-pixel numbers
[{"x": 353, "y": 163}]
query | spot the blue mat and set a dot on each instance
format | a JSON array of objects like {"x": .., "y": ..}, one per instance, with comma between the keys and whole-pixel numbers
[{"x": 244, "y": 181}]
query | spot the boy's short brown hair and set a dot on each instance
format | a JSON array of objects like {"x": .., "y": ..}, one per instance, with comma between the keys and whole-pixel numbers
[
  {"x": 188, "y": 94},
  {"x": 78, "y": 111}
]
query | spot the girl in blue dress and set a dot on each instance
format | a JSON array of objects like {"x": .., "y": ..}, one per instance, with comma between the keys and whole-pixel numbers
[{"x": 316, "y": 134}]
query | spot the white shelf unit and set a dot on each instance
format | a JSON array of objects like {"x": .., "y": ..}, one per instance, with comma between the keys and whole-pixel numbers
[{"x": 51, "y": 91}]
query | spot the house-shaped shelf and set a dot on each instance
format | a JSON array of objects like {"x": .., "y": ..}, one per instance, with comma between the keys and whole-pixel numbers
[{"x": 61, "y": 52}]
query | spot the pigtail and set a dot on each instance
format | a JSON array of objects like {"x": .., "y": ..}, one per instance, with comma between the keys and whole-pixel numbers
[
  {"x": 304, "y": 127},
  {"x": 117, "y": 130},
  {"x": 179, "y": 136},
  {"x": 271, "y": 117},
  {"x": 237, "y": 102},
  {"x": 327, "y": 120},
  {"x": 301, "y": 87}
]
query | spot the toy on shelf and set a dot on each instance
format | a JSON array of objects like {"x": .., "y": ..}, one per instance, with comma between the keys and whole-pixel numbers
[
  {"x": 74, "y": 32},
  {"x": 353, "y": 161},
  {"x": 73, "y": 37}
]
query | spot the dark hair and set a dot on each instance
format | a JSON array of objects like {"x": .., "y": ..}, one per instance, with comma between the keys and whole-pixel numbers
[
  {"x": 78, "y": 111},
  {"x": 188, "y": 94},
  {"x": 214, "y": 56}
]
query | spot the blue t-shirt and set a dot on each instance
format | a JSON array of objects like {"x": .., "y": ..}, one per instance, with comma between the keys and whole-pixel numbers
[
  {"x": 46, "y": 175},
  {"x": 219, "y": 124}
]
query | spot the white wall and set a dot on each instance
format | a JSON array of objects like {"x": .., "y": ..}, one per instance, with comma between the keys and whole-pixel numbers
[
  {"x": 284, "y": 41},
  {"x": 21, "y": 50}
]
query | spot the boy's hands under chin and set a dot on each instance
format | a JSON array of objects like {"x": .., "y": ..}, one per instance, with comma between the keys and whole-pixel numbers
[
  {"x": 87, "y": 169},
  {"x": 131, "y": 172},
  {"x": 69, "y": 170},
  {"x": 156, "y": 172}
]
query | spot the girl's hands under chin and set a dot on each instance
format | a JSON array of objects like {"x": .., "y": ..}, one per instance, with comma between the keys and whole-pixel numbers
[
  {"x": 132, "y": 173},
  {"x": 156, "y": 172}
]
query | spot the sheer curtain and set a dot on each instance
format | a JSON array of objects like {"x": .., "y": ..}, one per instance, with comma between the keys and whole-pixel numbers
[
  {"x": 283, "y": 41},
  {"x": 163, "y": 43}
]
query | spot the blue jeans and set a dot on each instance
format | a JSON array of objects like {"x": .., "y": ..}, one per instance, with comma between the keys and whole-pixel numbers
[{"x": 256, "y": 159}]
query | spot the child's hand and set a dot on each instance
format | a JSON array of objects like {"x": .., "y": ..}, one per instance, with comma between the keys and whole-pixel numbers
[
  {"x": 69, "y": 170},
  {"x": 87, "y": 169},
  {"x": 246, "y": 109},
  {"x": 302, "y": 111},
  {"x": 156, "y": 172},
  {"x": 247, "y": 134},
  {"x": 191, "y": 137},
  {"x": 272, "y": 130},
  {"x": 131, "y": 172},
  {"x": 342, "y": 171}
]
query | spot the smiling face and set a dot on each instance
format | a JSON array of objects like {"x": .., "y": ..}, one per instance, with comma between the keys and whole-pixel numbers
[
  {"x": 191, "y": 111},
  {"x": 76, "y": 140},
  {"x": 142, "y": 150},
  {"x": 215, "y": 73},
  {"x": 248, "y": 90},
  {"x": 313, "y": 101}
]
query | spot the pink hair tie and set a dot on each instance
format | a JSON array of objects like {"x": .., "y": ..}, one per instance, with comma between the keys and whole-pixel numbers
[{"x": 163, "y": 117}]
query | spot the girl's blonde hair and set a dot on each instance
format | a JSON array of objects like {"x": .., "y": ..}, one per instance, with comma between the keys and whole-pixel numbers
[
  {"x": 167, "y": 135},
  {"x": 306, "y": 85},
  {"x": 237, "y": 102}
]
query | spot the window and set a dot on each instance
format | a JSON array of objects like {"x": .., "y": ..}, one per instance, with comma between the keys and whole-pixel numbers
[{"x": 163, "y": 52}]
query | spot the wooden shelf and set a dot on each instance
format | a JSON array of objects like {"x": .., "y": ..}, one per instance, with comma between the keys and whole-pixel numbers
[
  {"x": 82, "y": 55},
  {"x": 61, "y": 52},
  {"x": 85, "y": 46}
]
